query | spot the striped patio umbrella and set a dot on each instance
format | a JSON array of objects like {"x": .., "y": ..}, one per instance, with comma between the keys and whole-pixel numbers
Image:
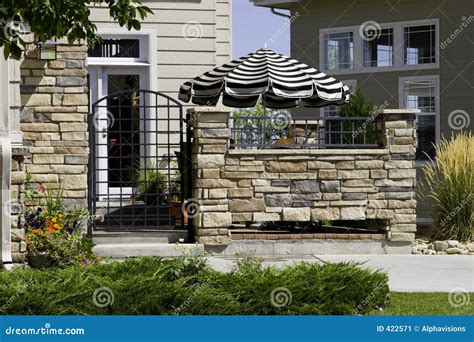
[{"x": 281, "y": 81}]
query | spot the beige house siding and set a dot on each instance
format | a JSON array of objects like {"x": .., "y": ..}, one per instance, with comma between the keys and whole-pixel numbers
[
  {"x": 192, "y": 37},
  {"x": 456, "y": 60}
]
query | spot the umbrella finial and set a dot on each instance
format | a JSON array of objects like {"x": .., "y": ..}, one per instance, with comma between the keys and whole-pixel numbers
[{"x": 265, "y": 46}]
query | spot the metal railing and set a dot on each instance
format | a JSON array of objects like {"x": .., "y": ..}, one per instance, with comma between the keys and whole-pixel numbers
[{"x": 281, "y": 131}]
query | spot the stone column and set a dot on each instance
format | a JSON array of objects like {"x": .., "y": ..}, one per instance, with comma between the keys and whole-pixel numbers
[
  {"x": 211, "y": 142},
  {"x": 54, "y": 99},
  {"x": 398, "y": 134}
]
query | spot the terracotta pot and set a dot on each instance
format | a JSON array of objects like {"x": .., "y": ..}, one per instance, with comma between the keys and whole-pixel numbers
[
  {"x": 178, "y": 213},
  {"x": 40, "y": 260}
]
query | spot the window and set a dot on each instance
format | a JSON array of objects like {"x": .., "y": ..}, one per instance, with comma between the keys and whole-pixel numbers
[
  {"x": 420, "y": 93},
  {"x": 394, "y": 46},
  {"x": 334, "y": 110},
  {"x": 419, "y": 45},
  {"x": 378, "y": 52},
  {"x": 116, "y": 48},
  {"x": 340, "y": 50}
]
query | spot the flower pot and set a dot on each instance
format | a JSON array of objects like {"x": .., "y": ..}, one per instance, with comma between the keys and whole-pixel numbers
[
  {"x": 176, "y": 211},
  {"x": 40, "y": 260}
]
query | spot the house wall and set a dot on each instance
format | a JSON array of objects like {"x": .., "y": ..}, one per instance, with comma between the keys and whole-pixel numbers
[
  {"x": 191, "y": 38},
  {"x": 239, "y": 185},
  {"x": 455, "y": 71}
]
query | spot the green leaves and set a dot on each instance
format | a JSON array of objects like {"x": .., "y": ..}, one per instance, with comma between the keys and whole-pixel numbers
[{"x": 61, "y": 18}]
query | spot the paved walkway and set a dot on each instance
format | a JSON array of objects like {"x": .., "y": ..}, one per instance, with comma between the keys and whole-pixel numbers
[{"x": 407, "y": 273}]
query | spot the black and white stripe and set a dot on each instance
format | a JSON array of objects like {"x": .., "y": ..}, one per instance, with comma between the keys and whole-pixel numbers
[{"x": 282, "y": 82}]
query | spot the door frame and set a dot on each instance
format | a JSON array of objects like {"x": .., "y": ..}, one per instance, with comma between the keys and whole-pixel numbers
[{"x": 99, "y": 76}]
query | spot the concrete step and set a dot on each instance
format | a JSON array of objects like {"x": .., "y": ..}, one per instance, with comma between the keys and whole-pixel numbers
[
  {"x": 130, "y": 237},
  {"x": 129, "y": 250}
]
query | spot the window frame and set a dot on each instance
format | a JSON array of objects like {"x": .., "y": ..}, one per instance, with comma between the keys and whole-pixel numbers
[
  {"x": 398, "y": 48},
  {"x": 437, "y": 113}
]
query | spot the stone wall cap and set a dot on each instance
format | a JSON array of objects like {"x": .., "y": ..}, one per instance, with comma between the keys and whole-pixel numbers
[
  {"x": 216, "y": 109},
  {"x": 305, "y": 152},
  {"x": 401, "y": 111}
]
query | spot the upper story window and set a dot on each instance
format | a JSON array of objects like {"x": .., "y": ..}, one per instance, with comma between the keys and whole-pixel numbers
[
  {"x": 419, "y": 47},
  {"x": 378, "y": 52},
  {"x": 393, "y": 46},
  {"x": 340, "y": 50},
  {"x": 116, "y": 48}
]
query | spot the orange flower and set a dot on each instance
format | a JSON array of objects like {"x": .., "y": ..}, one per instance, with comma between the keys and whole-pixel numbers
[
  {"x": 37, "y": 231},
  {"x": 48, "y": 223},
  {"x": 56, "y": 226},
  {"x": 50, "y": 231}
]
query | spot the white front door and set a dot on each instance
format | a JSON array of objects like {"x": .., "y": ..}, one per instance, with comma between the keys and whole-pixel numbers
[{"x": 119, "y": 122}]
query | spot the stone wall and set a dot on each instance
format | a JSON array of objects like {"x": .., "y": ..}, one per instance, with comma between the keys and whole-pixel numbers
[
  {"x": 244, "y": 185},
  {"x": 54, "y": 122}
]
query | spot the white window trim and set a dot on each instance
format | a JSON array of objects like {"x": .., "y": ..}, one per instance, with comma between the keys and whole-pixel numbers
[
  {"x": 398, "y": 53},
  {"x": 148, "y": 56},
  {"x": 352, "y": 82},
  {"x": 401, "y": 103}
]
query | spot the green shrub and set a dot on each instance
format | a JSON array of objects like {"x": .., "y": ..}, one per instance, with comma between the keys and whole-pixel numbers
[
  {"x": 186, "y": 286},
  {"x": 449, "y": 183}
]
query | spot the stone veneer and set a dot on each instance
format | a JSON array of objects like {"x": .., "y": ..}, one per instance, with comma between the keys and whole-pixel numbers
[
  {"x": 245, "y": 185},
  {"x": 54, "y": 121}
]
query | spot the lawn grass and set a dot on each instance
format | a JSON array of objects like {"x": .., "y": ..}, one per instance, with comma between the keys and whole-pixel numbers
[{"x": 424, "y": 303}]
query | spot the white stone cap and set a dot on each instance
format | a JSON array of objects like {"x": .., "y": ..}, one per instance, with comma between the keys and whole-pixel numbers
[
  {"x": 207, "y": 109},
  {"x": 401, "y": 111}
]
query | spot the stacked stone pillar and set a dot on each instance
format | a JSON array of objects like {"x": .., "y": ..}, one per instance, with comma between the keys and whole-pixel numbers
[
  {"x": 397, "y": 131},
  {"x": 211, "y": 142}
]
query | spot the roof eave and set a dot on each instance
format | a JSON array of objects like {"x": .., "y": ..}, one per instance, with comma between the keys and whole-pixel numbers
[{"x": 283, "y": 4}]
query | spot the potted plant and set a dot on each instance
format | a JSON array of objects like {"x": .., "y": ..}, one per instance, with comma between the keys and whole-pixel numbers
[
  {"x": 151, "y": 185},
  {"x": 174, "y": 198},
  {"x": 54, "y": 236}
]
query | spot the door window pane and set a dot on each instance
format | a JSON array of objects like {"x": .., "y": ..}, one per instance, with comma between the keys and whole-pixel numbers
[
  {"x": 379, "y": 51},
  {"x": 420, "y": 45},
  {"x": 123, "y": 135},
  {"x": 339, "y": 50},
  {"x": 422, "y": 95}
]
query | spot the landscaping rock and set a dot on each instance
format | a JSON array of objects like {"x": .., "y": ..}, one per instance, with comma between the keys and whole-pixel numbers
[
  {"x": 440, "y": 246},
  {"x": 453, "y": 250},
  {"x": 452, "y": 243},
  {"x": 470, "y": 247}
]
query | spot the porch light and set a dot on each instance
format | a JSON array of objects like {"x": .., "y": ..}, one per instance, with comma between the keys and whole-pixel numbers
[{"x": 47, "y": 50}]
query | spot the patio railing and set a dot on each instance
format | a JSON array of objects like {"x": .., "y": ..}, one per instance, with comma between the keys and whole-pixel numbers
[{"x": 282, "y": 131}]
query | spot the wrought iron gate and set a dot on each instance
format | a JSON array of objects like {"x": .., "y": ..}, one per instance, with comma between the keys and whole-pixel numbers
[{"x": 139, "y": 167}]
